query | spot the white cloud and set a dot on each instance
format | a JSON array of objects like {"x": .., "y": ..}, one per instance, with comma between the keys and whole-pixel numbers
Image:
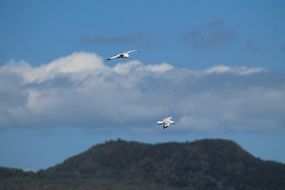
[
  {"x": 123, "y": 68},
  {"x": 80, "y": 90},
  {"x": 159, "y": 68},
  {"x": 220, "y": 69},
  {"x": 127, "y": 67}
]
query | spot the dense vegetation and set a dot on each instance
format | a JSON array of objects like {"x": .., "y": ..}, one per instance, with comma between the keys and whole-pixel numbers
[{"x": 203, "y": 164}]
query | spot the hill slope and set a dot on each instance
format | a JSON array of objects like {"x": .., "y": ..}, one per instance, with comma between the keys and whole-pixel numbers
[{"x": 203, "y": 164}]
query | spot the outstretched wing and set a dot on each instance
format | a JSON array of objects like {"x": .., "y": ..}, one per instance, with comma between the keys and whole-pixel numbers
[
  {"x": 132, "y": 51},
  {"x": 160, "y": 123},
  {"x": 113, "y": 57}
]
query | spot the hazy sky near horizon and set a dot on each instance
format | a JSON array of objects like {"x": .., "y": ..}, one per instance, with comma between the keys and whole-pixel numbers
[{"x": 217, "y": 67}]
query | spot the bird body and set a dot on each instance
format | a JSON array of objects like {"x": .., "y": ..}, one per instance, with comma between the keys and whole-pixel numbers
[
  {"x": 166, "y": 122},
  {"x": 125, "y": 54}
]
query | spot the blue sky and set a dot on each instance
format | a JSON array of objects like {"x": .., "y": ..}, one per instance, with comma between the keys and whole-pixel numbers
[{"x": 222, "y": 63}]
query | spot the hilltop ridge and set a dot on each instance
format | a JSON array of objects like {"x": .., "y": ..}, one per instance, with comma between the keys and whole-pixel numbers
[{"x": 203, "y": 164}]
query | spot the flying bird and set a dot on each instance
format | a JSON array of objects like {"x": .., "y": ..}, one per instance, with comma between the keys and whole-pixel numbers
[
  {"x": 166, "y": 122},
  {"x": 125, "y": 54}
]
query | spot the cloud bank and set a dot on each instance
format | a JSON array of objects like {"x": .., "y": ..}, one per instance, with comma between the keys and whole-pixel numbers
[{"x": 80, "y": 90}]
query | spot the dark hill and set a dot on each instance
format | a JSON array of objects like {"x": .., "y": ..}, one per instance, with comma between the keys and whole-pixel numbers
[{"x": 203, "y": 164}]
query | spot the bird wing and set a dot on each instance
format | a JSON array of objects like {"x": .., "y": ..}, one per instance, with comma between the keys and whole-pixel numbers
[
  {"x": 130, "y": 51},
  {"x": 160, "y": 123},
  {"x": 114, "y": 56}
]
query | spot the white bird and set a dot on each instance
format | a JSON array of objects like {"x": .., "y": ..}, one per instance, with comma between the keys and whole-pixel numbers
[
  {"x": 166, "y": 122},
  {"x": 122, "y": 55}
]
